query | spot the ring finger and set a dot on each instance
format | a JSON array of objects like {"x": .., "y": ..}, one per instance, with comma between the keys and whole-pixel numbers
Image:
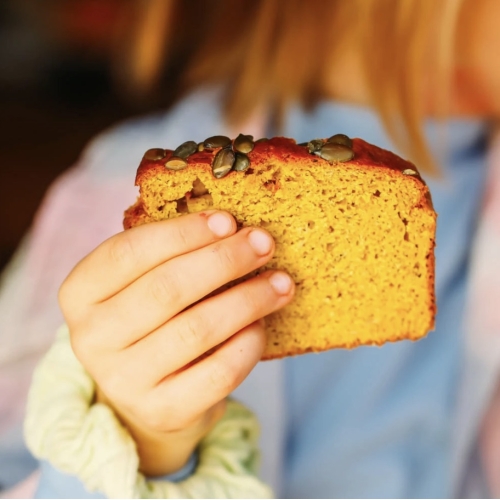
[{"x": 208, "y": 324}]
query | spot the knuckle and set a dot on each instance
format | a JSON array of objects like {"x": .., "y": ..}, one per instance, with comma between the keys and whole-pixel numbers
[
  {"x": 122, "y": 250},
  {"x": 86, "y": 338},
  {"x": 164, "y": 288},
  {"x": 67, "y": 298},
  {"x": 226, "y": 257},
  {"x": 64, "y": 294},
  {"x": 115, "y": 387},
  {"x": 183, "y": 421},
  {"x": 251, "y": 300},
  {"x": 194, "y": 330},
  {"x": 72, "y": 302},
  {"x": 154, "y": 419},
  {"x": 224, "y": 377},
  {"x": 78, "y": 345},
  {"x": 85, "y": 352},
  {"x": 151, "y": 421},
  {"x": 184, "y": 235}
]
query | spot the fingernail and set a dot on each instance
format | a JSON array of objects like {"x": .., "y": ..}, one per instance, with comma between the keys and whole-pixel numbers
[
  {"x": 220, "y": 224},
  {"x": 260, "y": 241},
  {"x": 281, "y": 282}
]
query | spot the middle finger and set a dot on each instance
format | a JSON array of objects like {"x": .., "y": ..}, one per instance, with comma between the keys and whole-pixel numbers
[{"x": 166, "y": 290}]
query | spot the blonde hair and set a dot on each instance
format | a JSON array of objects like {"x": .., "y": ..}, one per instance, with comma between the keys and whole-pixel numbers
[{"x": 273, "y": 52}]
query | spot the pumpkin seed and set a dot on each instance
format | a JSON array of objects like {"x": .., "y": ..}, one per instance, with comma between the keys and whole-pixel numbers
[
  {"x": 314, "y": 145},
  {"x": 303, "y": 144},
  {"x": 335, "y": 152},
  {"x": 185, "y": 149},
  {"x": 243, "y": 143},
  {"x": 241, "y": 162},
  {"x": 341, "y": 139},
  {"x": 176, "y": 163},
  {"x": 223, "y": 163},
  {"x": 262, "y": 139},
  {"x": 155, "y": 154},
  {"x": 217, "y": 141},
  {"x": 409, "y": 171},
  {"x": 201, "y": 147}
]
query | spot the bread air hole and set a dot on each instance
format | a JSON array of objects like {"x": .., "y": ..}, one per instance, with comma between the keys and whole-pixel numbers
[
  {"x": 196, "y": 200},
  {"x": 182, "y": 207},
  {"x": 406, "y": 235}
]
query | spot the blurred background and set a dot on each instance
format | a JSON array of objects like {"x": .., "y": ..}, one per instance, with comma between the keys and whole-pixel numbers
[{"x": 56, "y": 93}]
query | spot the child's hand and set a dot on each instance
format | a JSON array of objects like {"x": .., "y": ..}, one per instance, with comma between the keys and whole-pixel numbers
[{"x": 129, "y": 308}]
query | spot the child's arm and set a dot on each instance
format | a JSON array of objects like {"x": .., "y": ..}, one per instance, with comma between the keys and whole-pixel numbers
[{"x": 138, "y": 327}]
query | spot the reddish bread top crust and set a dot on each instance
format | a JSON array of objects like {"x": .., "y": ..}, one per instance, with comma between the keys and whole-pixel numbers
[{"x": 284, "y": 149}]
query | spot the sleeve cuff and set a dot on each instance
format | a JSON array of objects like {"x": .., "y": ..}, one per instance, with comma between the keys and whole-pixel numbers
[
  {"x": 182, "y": 473},
  {"x": 86, "y": 440}
]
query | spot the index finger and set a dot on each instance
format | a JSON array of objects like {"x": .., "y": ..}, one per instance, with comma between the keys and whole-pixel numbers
[{"x": 128, "y": 255}]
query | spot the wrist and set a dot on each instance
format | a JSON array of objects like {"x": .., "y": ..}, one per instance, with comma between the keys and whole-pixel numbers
[{"x": 164, "y": 453}]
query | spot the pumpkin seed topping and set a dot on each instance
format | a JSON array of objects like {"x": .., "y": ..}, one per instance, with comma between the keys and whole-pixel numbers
[
  {"x": 314, "y": 145},
  {"x": 409, "y": 171},
  {"x": 243, "y": 143},
  {"x": 155, "y": 154},
  {"x": 241, "y": 162},
  {"x": 335, "y": 152},
  {"x": 176, "y": 163},
  {"x": 186, "y": 149},
  {"x": 217, "y": 141},
  {"x": 223, "y": 163},
  {"x": 341, "y": 139}
]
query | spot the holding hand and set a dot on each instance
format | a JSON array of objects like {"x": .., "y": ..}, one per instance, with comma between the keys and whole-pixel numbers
[{"x": 129, "y": 308}]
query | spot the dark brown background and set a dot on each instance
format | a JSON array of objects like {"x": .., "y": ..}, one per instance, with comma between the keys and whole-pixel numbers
[{"x": 55, "y": 94}]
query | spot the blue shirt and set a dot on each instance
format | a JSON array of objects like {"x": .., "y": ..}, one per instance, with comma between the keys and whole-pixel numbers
[{"x": 55, "y": 484}]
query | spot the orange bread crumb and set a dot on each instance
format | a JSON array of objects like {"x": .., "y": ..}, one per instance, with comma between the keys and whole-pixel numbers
[{"x": 357, "y": 237}]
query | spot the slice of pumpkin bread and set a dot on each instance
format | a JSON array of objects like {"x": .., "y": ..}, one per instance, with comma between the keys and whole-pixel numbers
[{"x": 354, "y": 226}]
